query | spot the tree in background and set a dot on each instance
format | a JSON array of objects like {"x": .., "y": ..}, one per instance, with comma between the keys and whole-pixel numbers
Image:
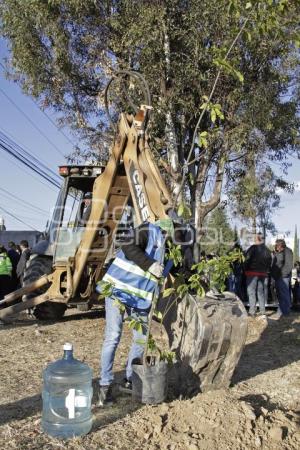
[
  {"x": 218, "y": 72},
  {"x": 296, "y": 245},
  {"x": 255, "y": 195},
  {"x": 219, "y": 237}
]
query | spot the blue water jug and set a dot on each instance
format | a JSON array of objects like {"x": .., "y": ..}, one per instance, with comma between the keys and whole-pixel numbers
[{"x": 67, "y": 397}]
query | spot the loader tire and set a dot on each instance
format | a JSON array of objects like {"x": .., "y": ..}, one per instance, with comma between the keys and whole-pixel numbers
[
  {"x": 36, "y": 267},
  {"x": 207, "y": 335}
]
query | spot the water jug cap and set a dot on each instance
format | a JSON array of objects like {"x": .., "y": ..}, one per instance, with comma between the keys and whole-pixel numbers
[{"x": 68, "y": 346}]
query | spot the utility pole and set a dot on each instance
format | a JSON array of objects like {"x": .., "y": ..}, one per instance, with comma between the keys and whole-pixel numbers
[
  {"x": 2, "y": 224},
  {"x": 296, "y": 245}
]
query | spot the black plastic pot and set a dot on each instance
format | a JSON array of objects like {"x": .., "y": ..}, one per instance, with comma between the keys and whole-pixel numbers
[{"x": 150, "y": 383}]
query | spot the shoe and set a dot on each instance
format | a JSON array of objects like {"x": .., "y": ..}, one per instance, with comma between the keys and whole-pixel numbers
[
  {"x": 126, "y": 386},
  {"x": 105, "y": 397},
  {"x": 276, "y": 316}
]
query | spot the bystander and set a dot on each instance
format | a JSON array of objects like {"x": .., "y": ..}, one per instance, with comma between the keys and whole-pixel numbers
[
  {"x": 257, "y": 264},
  {"x": 26, "y": 252},
  {"x": 281, "y": 272}
]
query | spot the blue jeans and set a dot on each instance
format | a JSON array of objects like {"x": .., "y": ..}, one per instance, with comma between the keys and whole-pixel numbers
[
  {"x": 113, "y": 332},
  {"x": 235, "y": 284},
  {"x": 231, "y": 283},
  {"x": 256, "y": 289},
  {"x": 284, "y": 295}
]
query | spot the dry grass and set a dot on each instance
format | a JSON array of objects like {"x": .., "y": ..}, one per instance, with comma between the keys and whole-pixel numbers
[{"x": 267, "y": 377}]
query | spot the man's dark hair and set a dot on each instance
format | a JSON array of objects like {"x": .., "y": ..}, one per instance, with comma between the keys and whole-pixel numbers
[
  {"x": 11, "y": 244},
  {"x": 24, "y": 243},
  {"x": 280, "y": 242}
]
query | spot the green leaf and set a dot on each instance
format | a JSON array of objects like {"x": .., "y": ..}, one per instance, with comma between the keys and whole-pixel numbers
[
  {"x": 219, "y": 113},
  {"x": 167, "y": 356},
  {"x": 203, "y": 134},
  {"x": 182, "y": 289},
  {"x": 140, "y": 341},
  {"x": 192, "y": 179},
  {"x": 168, "y": 292},
  {"x": 203, "y": 141},
  {"x": 138, "y": 327},
  {"x": 228, "y": 68},
  {"x": 184, "y": 211},
  {"x": 248, "y": 36},
  {"x": 180, "y": 209},
  {"x": 158, "y": 315},
  {"x": 239, "y": 75},
  {"x": 201, "y": 291},
  {"x": 119, "y": 305},
  {"x": 248, "y": 5},
  {"x": 213, "y": 115}
]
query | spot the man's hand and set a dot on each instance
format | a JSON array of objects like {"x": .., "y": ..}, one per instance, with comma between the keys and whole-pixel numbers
[{"x": 156, "y": 269}]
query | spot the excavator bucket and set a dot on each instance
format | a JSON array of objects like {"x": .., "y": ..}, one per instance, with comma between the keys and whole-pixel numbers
[{"x": 207, "y": 335}]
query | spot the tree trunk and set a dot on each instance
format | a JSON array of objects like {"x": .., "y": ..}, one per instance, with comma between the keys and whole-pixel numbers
[
  {"x": 170, "y": 133},
  {"x": 203, "y": 208}
]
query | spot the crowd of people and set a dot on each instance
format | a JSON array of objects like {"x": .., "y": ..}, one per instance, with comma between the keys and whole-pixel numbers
[
  {"x": 267, "y": 275},
  {"x": 264, "y": 275},
  {"x": 12, "y": 265}
]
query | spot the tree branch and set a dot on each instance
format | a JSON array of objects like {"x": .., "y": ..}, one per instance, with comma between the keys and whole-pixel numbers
[{"x": 208, "y": 206}]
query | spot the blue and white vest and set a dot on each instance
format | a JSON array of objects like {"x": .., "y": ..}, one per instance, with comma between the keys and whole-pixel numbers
[{"x": 132, "y": 285}]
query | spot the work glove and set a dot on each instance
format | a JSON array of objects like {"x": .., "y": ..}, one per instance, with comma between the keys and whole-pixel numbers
[{"x": 156, "y": 269}]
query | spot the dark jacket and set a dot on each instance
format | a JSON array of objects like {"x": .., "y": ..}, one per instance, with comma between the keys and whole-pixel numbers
[
  {"x": 282, "y": 264},
  {"x": 14, "y": 257},
  {"x": 135, "y": 246},
  {"x": 258, "y": 259},
  {"x": 22, "y": 262}
]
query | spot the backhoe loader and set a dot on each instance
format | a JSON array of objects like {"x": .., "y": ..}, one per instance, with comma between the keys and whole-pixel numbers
[{"x": 207, "y": 334}]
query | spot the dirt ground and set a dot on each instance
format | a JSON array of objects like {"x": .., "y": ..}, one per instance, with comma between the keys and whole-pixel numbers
[{"x": 260, "y": 410}]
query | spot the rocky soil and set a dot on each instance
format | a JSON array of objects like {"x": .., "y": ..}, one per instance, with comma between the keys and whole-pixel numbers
[{"x": 260, "y": 410}]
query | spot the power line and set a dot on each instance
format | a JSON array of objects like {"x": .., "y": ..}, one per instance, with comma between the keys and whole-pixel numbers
[
  {"x": 22, "y": 151},
  {"x": 16, "y": 198},
  {"x": 47, "y": 115},
  {"x": 10, "y": 148},
  {"x": 26, "y": 217},
  {"x": 16, "y": 218},
  {"x": 28, "y": 173},
  {"x": 32, "y": 123},
  {"x": 28, "y": 165},
  {"x": 22, "y": 208},
  {"x": 24, "y": 148}
]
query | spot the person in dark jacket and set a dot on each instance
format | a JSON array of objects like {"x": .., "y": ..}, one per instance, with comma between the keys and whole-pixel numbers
[
  {"x": 26, "y": 252},
  {"x": 281, "y": 272},
  {"x": 14, "y": 256},
  {"x": 86, "y": 207},
  {"x": 257, "y": 264}
]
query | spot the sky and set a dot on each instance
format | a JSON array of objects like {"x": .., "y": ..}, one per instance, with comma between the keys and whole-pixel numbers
[{"x": 49, "y": 145}]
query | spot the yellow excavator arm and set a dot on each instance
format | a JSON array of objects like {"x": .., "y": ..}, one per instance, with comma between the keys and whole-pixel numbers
[
  {"x": 131, "y": 172},
  {"x": 112, "y": 189}
]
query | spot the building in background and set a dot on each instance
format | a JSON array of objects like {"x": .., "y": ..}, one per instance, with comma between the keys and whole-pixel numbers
[{"x": 32, "y": 236}]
